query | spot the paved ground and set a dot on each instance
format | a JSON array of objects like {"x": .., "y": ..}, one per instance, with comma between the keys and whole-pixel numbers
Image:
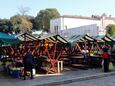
[
  {"x": 104, "y": 81},
  {"x": 51, "y": 80}
]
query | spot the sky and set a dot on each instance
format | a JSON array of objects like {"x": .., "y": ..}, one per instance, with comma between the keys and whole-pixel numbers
[{"x": 9, "y": 8}]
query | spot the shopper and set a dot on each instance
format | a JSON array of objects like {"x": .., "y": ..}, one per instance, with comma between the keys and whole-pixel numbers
[
  {"x": 106, "y": 58},
  {"x": 28, "y": 64}
]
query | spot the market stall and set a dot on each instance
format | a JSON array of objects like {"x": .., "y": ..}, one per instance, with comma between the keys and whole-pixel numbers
[{"x": 52, "y": 47}]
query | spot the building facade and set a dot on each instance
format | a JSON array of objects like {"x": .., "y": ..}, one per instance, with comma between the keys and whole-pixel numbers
[{"x": 79, "y": 25}]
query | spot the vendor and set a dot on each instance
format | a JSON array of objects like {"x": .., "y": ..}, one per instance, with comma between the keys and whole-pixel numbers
[
  {"x": 91, "y": 53},
  {"x": 85, "y": 54}
]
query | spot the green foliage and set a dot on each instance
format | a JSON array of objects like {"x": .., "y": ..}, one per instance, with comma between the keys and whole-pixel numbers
[
  {"x": 24, "y": 23},
  {"x": 42, "y": 20},
  {"x": 15, "y": 20},
  {"x": 110, "y": 29},
  {"x": 5, "y": 25},
  {"x": 21, "y": 23}
]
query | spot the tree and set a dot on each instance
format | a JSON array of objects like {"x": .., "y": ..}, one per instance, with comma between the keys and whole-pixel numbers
[
  {"x": 35, "y": 24},
  {"x": 26, "y": 25},
  {"x": 5, "y": 25},
  {"x": 42, "y": 20},
  {"x": 21, "y": 23},
  {"x": 23, "y": 10},
  {"x": 16, "y": 21},
  {"x": 110, "y": 30}
]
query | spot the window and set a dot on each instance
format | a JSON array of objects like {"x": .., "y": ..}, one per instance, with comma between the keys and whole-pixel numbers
[{"x": 56, "y": 29}]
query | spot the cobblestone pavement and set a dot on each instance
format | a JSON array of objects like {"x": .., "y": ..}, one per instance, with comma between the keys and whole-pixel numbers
[
  {"x": 104, "y": 81},
  {"x": 65, "y": 76}
]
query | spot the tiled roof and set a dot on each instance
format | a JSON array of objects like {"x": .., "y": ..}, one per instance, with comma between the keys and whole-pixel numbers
[
  {"x": 81, "y": 17},
  {"x": 86, "y": 17}
]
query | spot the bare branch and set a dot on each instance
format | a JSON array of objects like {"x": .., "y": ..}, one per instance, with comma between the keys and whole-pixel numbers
[{"x": 23, "y": 10}]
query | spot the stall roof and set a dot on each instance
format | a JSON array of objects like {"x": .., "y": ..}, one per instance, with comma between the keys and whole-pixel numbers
[
  {"x": 88, "y": 38},
  {"x": 108, "y": 38},
  {"x": 75, "y": 38},
  {"x": 53, "y": 38},
  {"x": 99, "y": 38},
  {"x": 6, "y": 39},
  {"x": 104, "y": 38},
  {"x": 113, "y": 37},
  {"x": 26, "y": 37},
  {"x": 81, "y": 38}
]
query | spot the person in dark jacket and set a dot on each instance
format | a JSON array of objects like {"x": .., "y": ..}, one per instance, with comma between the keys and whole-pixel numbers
[
  {"x": 28, "y": 61},
  {"x": 106, "y": 58}
]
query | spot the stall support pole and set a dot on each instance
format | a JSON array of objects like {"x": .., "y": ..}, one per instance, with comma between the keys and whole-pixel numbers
[{"x": 60, "y": 66}]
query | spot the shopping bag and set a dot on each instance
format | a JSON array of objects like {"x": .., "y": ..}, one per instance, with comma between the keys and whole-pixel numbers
[
  {"x": 34, "y": 71},
  {"x": 102, "y": 64},
  {"x": 110, "y": 66}
]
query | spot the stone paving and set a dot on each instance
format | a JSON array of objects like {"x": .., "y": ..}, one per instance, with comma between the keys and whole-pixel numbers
[
  {"x": 104, "y": 81},
  {"x": 58, "y": 79}
]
